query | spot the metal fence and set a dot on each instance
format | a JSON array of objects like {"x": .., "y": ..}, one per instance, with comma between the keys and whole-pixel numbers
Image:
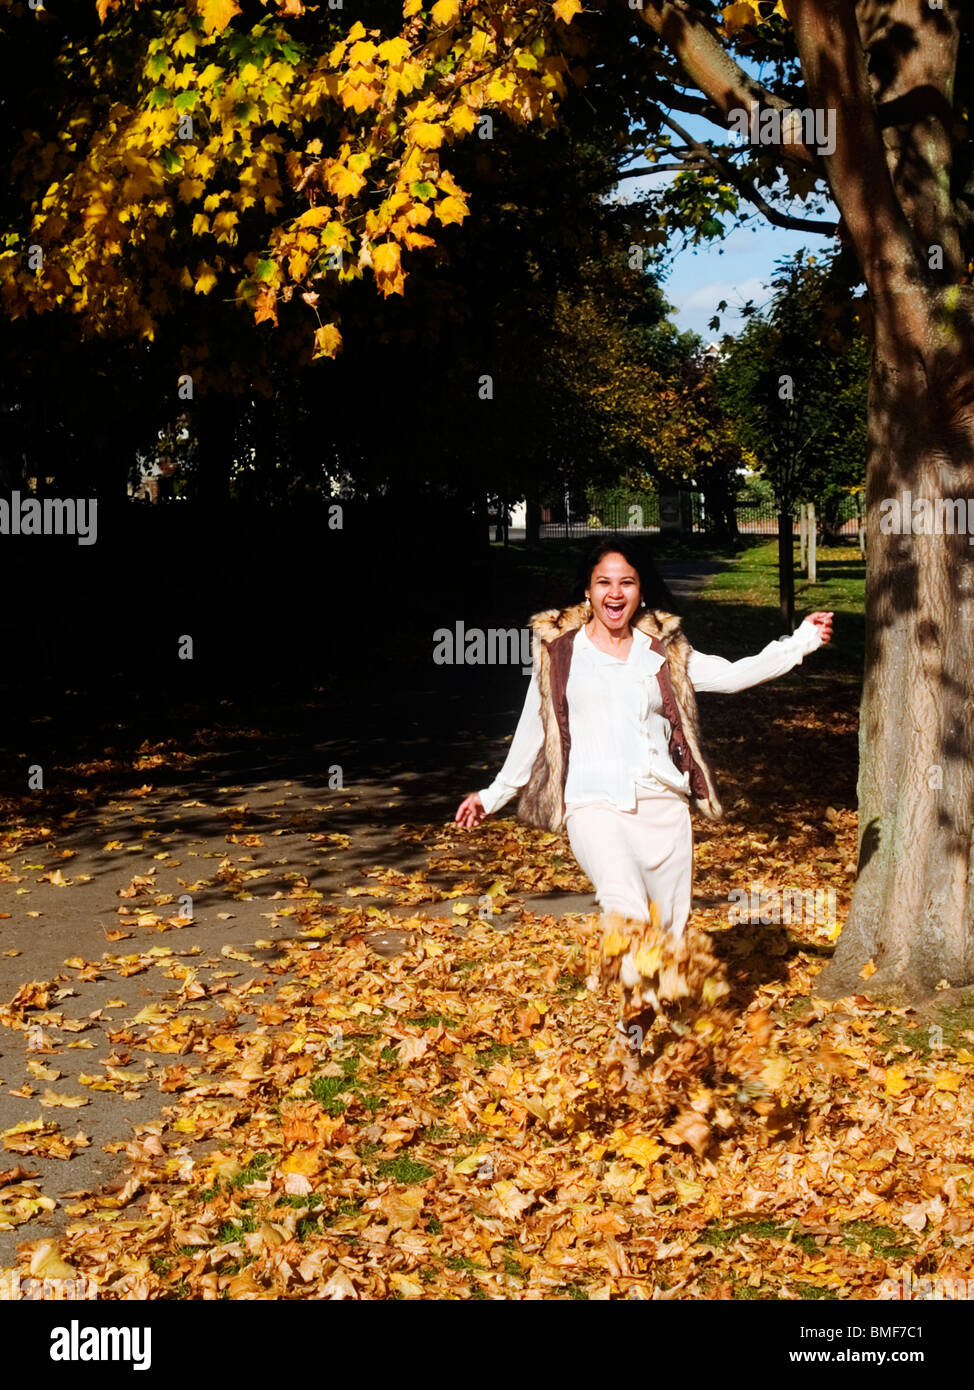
[{"x": 686, "y": 513}]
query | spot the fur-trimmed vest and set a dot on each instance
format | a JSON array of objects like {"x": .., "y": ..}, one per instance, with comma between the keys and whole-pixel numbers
[{"x": 542, "y": 800}]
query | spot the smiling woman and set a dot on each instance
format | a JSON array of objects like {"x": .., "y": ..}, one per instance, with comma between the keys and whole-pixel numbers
[{"x": 608, "y": 746}]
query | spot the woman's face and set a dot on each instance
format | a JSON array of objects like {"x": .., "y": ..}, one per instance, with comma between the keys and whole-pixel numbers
[{"x": 614, "y": 592}]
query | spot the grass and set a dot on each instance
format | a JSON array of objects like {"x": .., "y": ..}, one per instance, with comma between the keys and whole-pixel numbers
[
  {"x": 955, "y": 1022},
  {"x": 255, "y": 1171},
  {"x": 327, "y": 1089},
  {"x": 737, "y": 613},
  {"x": 432, "y": 1020},
  {"x": 881, "y": 1240},
  {"x": 404, "y": 1169},
  {"x": 717, "y": 1235},
  {"x": 233, "y": 1230}
]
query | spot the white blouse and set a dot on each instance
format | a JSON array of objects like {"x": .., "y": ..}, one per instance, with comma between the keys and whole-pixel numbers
[{"x": 619, "y": 736}]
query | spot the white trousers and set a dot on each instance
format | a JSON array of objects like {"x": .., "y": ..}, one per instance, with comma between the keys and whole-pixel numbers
[{"x": 637, "y": 857}]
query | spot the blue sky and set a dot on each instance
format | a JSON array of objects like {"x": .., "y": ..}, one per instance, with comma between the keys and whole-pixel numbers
[{"x": 736, "y": 269}]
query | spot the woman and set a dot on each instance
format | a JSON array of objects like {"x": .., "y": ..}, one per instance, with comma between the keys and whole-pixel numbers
[{"x": 608, "y": 744}]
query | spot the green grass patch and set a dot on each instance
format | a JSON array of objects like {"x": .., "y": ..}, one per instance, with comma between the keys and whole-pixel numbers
[
  {"x": 404, "y": 1169},
  {"x": 717, "y": 1235},
  {"x": 944, "y": 1030},
  {"x": 255, "y": 1171},
  {"x": 432, "y": 1020},
  {"x": 883, "y": 1241},
  {"x": 327, "y": 1089},
  {"x": 233, "y": 1230},
  {"x": 736, "y": 614}
]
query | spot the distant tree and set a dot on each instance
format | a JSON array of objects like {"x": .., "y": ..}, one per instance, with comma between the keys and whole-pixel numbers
[{"x": 794, "y": 389}]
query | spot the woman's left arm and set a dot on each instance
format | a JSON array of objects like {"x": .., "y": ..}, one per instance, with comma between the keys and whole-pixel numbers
[{"x": 715, "y": 674}]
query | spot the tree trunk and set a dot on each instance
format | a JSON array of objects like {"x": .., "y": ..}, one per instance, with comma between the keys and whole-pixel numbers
[
  {"x": 532, "y": 522},
  {"x": 786, "y": 571},
  {"x": 911, "y": 923}
]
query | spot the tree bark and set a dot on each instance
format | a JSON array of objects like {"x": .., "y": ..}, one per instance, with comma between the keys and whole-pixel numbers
[
  {"x": 911, "y": 923},
  {"x": 532, "y": 522},
  {"x": 886, "y": 70},
  {"x": 786, "y": 571}
]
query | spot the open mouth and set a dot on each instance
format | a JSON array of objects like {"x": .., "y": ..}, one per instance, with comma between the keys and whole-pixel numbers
[{"x": 614, "y": 610}]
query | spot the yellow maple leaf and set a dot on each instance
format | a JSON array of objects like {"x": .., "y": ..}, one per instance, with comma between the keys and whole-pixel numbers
[
  {"x": 463, "y": 119},
  {"x": 897, "y": 1081},
  {"x": 97, "y": 1083},
  {"x": 446, "y": 12},
  {"x": 185, "y": 45},
  {"x": 566, "y": 10},
  {"x": 946, "y": 1081},
  {"x": 427, "y": 135},
  {"x": 405, "y": 1285},
  {"x": 206, "y": 280},
  {"x": 450, "y": 210},
  {"x": 343, "y": 182},
  {"x": 303, "y": 1161},
  {"x": 740, "y": 14},
  {"x": 647, "y": 959},
  {"x": 328, "y": 341},
  {"x": 394, "y": 50},
  {"x": 386, "y": 263},
  {"x": 642, "y": 1150},
  {"x": 57, "y": 1098},
  {"x": 500, "y": 88},
  {"x": 614, "y": 943},
  {"x": 217, "y": 14},
  {"x": 224, "y": 224},
  {"x": 359, "y": 98}
]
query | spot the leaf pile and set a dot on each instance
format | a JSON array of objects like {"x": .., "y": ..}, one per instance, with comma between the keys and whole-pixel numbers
[{"x": 447, "y": 1124}]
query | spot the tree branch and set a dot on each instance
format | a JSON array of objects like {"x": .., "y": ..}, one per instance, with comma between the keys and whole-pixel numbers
[
  {"x": 696, "y": 166},
  {"x": 745, "y": 187},
  {"x": 710, "y": 67},
  {"x": 834, "y": 66}
]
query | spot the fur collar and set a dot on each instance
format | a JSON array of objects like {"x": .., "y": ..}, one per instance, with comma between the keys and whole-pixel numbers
[{"x": 553, "y": 622}]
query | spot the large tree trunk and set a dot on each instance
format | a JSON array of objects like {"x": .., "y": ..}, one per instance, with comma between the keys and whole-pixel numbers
[{"x": 911, "y": 923}]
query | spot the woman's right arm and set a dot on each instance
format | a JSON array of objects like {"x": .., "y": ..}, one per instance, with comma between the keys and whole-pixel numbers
[{"x": 525, "y": 746}]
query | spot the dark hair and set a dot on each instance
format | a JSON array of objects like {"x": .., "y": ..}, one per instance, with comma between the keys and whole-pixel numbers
[{"x": 638, "y": 556}]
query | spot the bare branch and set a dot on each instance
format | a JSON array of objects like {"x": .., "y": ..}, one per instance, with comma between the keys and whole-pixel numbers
[
  {"x": 695, "y": 166},
  {"x": 747, "y": 188}
]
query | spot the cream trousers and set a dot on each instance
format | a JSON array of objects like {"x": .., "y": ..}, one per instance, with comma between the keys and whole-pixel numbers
[{"x": 637, "y": 857}]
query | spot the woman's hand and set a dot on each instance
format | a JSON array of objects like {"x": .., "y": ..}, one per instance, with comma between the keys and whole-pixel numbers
[
  {"x": 823, "y": 621},
  {"x": 470, "y": 812}
]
